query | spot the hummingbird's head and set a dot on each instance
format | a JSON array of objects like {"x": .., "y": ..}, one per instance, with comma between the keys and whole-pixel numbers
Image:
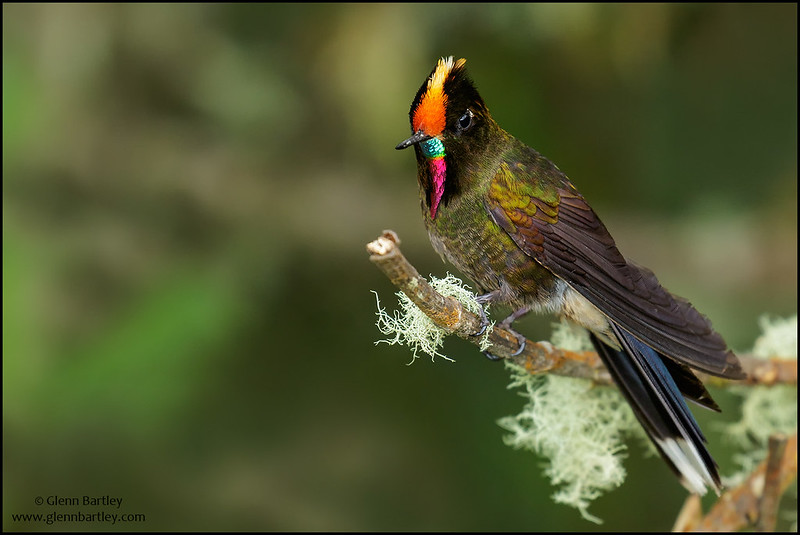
[{"x": 449, "y": 124}]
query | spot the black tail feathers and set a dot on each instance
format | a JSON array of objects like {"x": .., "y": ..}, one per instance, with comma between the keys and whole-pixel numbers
[{"x": 654, "y": 386}]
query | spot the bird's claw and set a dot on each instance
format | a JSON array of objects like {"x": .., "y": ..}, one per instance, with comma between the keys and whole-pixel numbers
[
  {"x": 505, "y": 324},
  {"x": 490, "y": 356},
  {"x": 484, "y": 323},
  {"x": 522, "y": 341}
]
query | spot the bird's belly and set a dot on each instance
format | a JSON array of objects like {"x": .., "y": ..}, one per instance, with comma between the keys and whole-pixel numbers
[{"x": 491, "y": 259}]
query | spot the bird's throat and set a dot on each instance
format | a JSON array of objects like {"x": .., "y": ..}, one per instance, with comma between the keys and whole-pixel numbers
[{"x": 437, "y": 169}]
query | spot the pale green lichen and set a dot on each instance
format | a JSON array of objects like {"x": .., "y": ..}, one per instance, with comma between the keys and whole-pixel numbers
[
  {"x": 581, "y": 428},
  {"x": 570, "y": 337},
  {"x": 411, "y": 327},
  {"x": 765, "y": 409},
  {"x": 578, "y": 427}
]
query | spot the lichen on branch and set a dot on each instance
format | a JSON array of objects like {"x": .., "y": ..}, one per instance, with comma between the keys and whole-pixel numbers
[{"x": 581, "y": 429}]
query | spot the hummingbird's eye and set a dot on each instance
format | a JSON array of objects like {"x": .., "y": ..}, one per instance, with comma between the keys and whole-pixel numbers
[{"x": 466, "y": 120}]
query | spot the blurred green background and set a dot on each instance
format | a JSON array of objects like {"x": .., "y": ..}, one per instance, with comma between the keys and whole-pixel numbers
[{"x": 187, "y": 193}]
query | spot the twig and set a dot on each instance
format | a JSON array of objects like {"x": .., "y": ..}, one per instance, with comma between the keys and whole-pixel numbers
[
  {"x": 770, "y": 496},
  {"x": 538, "y": 357},
  {"x": 754, "y": 500},
  {"x": 447, "y": 313},
  {"x": 743, "y": 505},
  {"x": 761, "y": 372},
  {"x": 690, "y": 514}
]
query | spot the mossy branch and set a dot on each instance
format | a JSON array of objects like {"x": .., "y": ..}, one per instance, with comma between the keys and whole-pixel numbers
[
  {"x": 538, "y": 357},
  {"x": 449, "y": 314},
  {"x": 751, "y": 503}
]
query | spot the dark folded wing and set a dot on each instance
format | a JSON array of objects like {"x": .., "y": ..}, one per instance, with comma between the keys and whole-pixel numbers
[{"x": 550, "y": 221}]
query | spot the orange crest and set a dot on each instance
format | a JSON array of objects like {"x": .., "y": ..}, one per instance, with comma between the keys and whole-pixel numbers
[{"x": 430, "y": 113}]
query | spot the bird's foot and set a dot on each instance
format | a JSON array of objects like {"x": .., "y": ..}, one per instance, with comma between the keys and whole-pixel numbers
[
  {"x": 514, "y": 316},
  {"x": 484, "y": 324},
  {"x": 482, "y": 300},
  {"x": 505, "y": 324},
  {"x": 520, "y": 339},
  {"x": 487, "y": 297}
]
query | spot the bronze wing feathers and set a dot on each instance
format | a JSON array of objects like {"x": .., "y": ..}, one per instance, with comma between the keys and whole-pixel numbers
[{"x": 551, "y": 222}]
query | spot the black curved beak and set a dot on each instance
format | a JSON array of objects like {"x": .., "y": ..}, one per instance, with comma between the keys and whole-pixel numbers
[{"x": 419, "y": 137}]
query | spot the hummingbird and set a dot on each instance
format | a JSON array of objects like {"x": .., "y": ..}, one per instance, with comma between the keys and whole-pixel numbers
[{"x": 512, "y": 221}]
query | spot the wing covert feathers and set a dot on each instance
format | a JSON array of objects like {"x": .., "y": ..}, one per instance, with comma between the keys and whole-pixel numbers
[{"x": 551, "y": 222}]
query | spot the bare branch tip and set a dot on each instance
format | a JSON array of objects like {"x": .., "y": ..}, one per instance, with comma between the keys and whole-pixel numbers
[
  {"x": 385, "y": 244},
  {"x": 389, "y": 234},
  {"x": 381, "y": 246}
]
